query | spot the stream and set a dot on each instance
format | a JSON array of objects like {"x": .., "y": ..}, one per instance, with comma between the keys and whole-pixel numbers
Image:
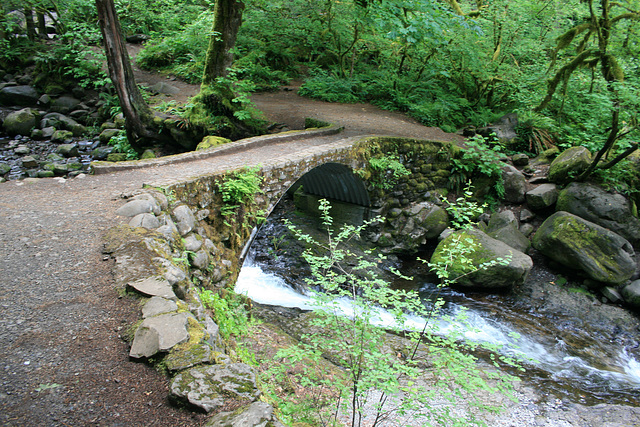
[{"x": 584, "y": 360}]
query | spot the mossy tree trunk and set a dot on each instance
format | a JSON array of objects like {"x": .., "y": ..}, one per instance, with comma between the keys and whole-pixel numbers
[
  {"x": 137, "y": 114},
  {"x": 227, "y": 18}
]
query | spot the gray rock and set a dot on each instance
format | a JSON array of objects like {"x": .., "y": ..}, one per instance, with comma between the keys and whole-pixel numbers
[
  {"x": 64, "y": 104},
  {"x": 526, "y": 215},
  {"x": 185, "y": 357},
  {"x": 172, "y": 273},
  {"x": 413, "y": 226},
  {"x": 158, "y": 305},
  {"x": 138, "y": 206},
  {"x": 20, "y": 122},
  {"x": 571, "y": 162},
  {"x": 67, "y": 150},
  {"x": 47, "y": 132},
  {"x": 209, "y": 387},
  {"x": 258, "y": 414},
  {"x": 44, "y": 101},
  {"x": 514, "y": 184},
  {"x": 164, "y": 88},
  {"x": 487, "y": 249},
  {"x": 631, "y": 293},
  {"x": 511, "y": 235},
  {"x": 185, "y": 220},
  {"x": 106, "y": 135},
  {"x": 154, "y": 287},
  {"x": 62, "y": 136},
  {"x": 526, "y": 229},
  {"x": 101, "y": 153},
  {"x": 601, "y": 254},
  {"x": 501, "y": 219},
  {"x": 29, "y": 162},
  {"x": 160, "y": 334},
  {"x": 504, "y": 129},
  {"x": 611, "y": 294},
  {"x": 201, "y": 260},
  {"x": 609, "y": 210},
  {"x": 24, "y": 96},
  {"x": 60, "y": 121},
  {"x": 145, "y": 220},
  {"x": 22, "y": 150},
  {"x": 542, "y": 197},
  {"x": 520, "y": 159},
  {"x": 192, "y": 242}
]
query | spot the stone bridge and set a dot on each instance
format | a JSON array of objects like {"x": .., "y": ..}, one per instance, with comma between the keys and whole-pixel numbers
[{"x": 357, "y": 171}]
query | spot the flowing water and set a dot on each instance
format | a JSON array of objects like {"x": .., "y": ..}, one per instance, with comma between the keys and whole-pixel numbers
[{"x": 564, "y": 357}]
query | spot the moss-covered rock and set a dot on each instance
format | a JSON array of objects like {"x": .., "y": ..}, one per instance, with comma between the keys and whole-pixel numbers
[
  {"x": 20, "y": 122},
  {"x": 486, "y": 249},
  {"x": 572, "y": 162},
  {"x": 210, "y": 141},
  {"x": 601, "y": 254}
]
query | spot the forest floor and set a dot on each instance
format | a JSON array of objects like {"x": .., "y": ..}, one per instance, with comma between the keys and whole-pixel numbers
[{"x": 63, "y": 359}]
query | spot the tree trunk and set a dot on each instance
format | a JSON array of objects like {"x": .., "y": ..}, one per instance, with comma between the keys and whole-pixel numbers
[
  {"x": 137, "y": 114},
  {"x": 227, "y": 18}
]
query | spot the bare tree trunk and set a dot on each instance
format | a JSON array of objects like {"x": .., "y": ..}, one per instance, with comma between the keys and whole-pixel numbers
[
  {"x": 31, "y": 27},
  {"x": 227, "y": 18},
  {"x": 137, "y": 114}
]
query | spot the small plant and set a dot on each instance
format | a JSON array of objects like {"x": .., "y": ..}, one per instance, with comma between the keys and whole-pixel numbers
[
  {"x": 229, "y": 312},
  {"x": 465, "y": 210},
  {"x": 120, "y": 144},
  {"x": 477, "y": 161},
  {"x": 388, "y": 170},
  {"x": 240, "y": 188}
]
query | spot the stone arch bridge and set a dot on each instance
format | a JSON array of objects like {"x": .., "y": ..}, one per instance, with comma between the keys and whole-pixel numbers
[{"x": 357, "y": 171}]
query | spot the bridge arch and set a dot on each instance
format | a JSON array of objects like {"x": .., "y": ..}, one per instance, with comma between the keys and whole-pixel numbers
[{"x": 334, "y": 181}]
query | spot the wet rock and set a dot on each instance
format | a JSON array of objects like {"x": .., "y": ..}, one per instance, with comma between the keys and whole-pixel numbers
[
  {"x": 62, "y": 136},
  {"x": 609, "y": 210},
  {"x": 24, "y": 96},
  {"x": 22, "y": 150},
  {"x": 159, "y": 334},
  {"x": 487, "y": 249},
  {"x": 67, "y": 150},
  {"x": 571, "y": 162},
  {"x": 138, "y": 206},
  {"x": 209, "y": 387},
  {"x": 106, "y": 135},
  {"x": 258, "y": 414},
  {"x": 101, "y": 153},
  {"x": 20, "y": 122},
  {"x": 184, "y": 218},
  {"x": 631, "y": 294},
  {"x": 601, "y": 254},
  {"x": 542, "y": 197},
  {"x": 29, "y": 162}
]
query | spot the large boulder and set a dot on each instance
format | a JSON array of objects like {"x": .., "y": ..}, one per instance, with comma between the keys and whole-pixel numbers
[
  {"x": 24, "y": 96},
  {"x": 601, "y": 254},
  {"x": 609, "y": 210},
  {"x": 542, "y": 197},
  {"x": 487, "y": 249},
  {"x": 573, "y": 161},
  {"x": 20, "y": 122},
  {"x": 210, "y": 387},
  {"x": 60, "y": 121},
  {"x": 258, "y": 414},
  {"x": 514, "y": 184}
]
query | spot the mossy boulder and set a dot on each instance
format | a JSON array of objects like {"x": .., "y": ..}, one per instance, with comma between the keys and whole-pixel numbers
[
  {"x": 106, "y": 135},
  {"x": 609, "y": 210},
  {"x": 210, "y": 141},
  {"x": 571, "y": 163},
  {"x": 20, "y": 122},
  {"x": 601, "y": 254},
  {"x": 510, "y": 273},
  {"x": 62, "y": 136},
  {"x": 116, "y": 157}
]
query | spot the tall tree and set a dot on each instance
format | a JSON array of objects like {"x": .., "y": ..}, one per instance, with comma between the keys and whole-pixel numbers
[
  {"x": 137, "y": 114},
  {"x": 227, "y": 19}
]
